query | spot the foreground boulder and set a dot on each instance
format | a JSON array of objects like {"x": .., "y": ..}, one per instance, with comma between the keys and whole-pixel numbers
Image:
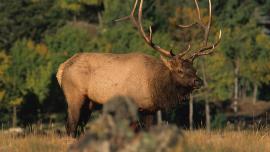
[{"x": 112, "y": 132}]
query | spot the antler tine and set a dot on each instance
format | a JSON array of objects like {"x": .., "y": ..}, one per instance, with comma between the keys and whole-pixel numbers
[
  {"x": 148, "y": 39},
  {"x": 199, "y": 22},
  {"x": 187, "y": 26},
  {"x": 198, "y": 10},
  {"x": 211, "y": 48},
  {"x": 131, "y": 16},
  {"x": 185, "y": 52},
  {"x": 138, "y": 24},
  {"x": 208, "y": 27}
]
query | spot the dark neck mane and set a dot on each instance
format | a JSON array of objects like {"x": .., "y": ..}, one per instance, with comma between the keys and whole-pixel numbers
[{"x": 165, "y": 92}]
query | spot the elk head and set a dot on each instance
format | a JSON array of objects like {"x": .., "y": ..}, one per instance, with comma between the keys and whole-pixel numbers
[{"x": 180, "y": 65}]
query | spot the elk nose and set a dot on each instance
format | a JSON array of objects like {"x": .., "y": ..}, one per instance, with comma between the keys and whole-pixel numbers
[{"x": 198, "y": 83}]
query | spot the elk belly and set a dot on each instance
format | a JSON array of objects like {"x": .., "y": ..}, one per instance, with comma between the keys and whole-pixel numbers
[{"x": 123, "y": 81}]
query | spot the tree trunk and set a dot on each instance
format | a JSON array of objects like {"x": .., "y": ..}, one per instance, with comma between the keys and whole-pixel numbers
[
  {"x": 191, "y": 112},
  {"x": 244, "y": 90},
  {"x": 14, "y": 117},
  {"x": 236, "y": 86},
  {"x": 207, "y": 107},
  {"x": 255, "y": 92},
  {"x": 100, "y": 21},
  {"x": 74, "y": 18},
  {"x": 207, "y": 116}
]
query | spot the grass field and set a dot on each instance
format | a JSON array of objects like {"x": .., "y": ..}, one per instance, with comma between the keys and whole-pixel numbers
[
  {"x": 229, "y": 141},
  {"x": 195, "y": 141},
  {"x": 34, "y": 143}
]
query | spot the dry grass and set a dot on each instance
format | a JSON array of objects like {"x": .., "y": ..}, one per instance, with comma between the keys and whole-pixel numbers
[
  {"x": 229, "y": 141},
  {"x": 33, "y": 143},
  {"x": 195, "y": 141}
]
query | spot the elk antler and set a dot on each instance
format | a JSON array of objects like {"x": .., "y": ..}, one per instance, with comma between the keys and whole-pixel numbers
[
  {"x": 207, "y": 49},
  {"x": 149, "y": 38},
  {"x": 138, "y": 24}
]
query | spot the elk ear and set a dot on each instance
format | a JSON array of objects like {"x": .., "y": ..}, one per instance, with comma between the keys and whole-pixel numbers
[{"x": 166, "y": 62}]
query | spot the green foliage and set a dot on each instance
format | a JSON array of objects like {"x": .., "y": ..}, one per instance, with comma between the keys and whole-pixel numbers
[
  {"x": 37, "y": 80},
  {"x": 4, "y": 64},
  {"x": 67, "y": 41},
  {"x": 27, "y": 19},
  {"x": 122, "y": 37},
  {"x": 243, "y": 40},
  {"x": 219, "y": 77},
  {"x": 72, "y": 5},
  {"x": 257, "y": 65},
  {"x": 29, "y": 70},
  {"x": 86, "y": 10},
  {"x": 234, "y": 12},
  {"x": 115, "y": 9},
  {"x": 76, "y": 5},
  {"x": 37, "y": 36},
  {"x": 219, "y": 122}
]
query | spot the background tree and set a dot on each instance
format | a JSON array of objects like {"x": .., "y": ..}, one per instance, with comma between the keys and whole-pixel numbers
[
  {"x": 4, "y": 64},
  {"x": 86, "y": 9},
  {"x": 29, "y": 70},
  {"x": 235, "y": 23},
  {"x": 256, "y": 68},
  {"x": 37, "y": 35},
  {"x": 67, "y": 41},
  {"x": 28, "y": 19}
]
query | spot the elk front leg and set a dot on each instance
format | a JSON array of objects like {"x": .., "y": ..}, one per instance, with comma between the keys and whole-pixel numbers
[{"x": 85, "y": 114}]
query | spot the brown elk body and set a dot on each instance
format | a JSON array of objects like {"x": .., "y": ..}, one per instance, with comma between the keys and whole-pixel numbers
[{"x": 93, "y": 78}]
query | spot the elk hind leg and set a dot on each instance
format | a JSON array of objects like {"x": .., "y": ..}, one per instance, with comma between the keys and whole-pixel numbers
[{"x": 75, "y": 102}]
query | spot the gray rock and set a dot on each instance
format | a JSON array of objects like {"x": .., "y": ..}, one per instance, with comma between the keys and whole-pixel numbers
[{"x": 112, "y": 132}]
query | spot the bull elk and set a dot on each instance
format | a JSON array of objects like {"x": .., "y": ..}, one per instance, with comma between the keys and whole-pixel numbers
[{"x": 88, "y": 79}]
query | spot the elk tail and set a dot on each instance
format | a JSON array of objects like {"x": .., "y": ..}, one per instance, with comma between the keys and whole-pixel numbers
[{"x": 60, "y": 73}]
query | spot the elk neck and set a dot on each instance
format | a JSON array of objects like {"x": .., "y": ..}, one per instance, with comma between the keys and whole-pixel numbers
[{"x": 165, "y": 92}]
